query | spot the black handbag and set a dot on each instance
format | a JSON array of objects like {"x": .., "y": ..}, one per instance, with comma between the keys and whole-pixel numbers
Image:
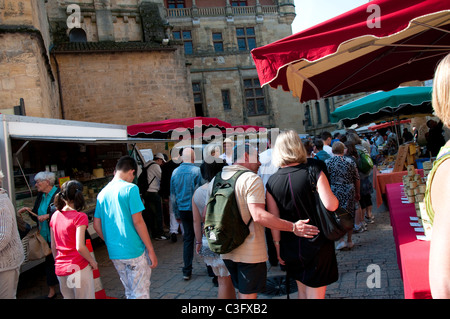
[{"x": 334, "y": 225}]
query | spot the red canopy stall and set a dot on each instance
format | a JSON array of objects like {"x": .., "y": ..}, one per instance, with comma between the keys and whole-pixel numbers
[
  {"x": 387, "y": 124},
  {"x": 376, "y": 46},
  {"x": 164, "y": 129}
]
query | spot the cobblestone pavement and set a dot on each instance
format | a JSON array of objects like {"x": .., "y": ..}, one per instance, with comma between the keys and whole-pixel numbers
[{"x": 373, "y": 254}]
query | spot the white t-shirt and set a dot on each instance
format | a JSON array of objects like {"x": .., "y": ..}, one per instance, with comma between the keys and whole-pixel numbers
[
  {"x": 327, "y": 148},
  {"x": 266, "y": 169}
]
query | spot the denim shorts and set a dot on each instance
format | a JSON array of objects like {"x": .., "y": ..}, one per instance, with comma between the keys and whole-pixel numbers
[{"x": 247, "y": 278}]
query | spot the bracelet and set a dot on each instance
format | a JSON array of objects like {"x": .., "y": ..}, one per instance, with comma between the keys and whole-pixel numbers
[
  {"x": 276, "y": 242},
  {"x": 198, "y": 243},
  {"x": 293, "y": 227}
]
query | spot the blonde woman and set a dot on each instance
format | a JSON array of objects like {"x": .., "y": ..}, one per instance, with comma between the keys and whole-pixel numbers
[
  {"x": 310, "y": 260},
  {"x": 438, "y": 190}
]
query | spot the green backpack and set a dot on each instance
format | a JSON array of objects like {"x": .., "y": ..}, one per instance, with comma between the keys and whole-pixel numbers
[
  {"x": 224, "y": 227},
  {"x": 365, "y": 163}
]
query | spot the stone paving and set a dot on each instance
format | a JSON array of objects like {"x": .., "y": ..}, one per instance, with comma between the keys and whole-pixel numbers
[{"x": 372, "y": 262}]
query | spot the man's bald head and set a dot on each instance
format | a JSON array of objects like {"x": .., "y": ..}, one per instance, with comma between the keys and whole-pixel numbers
[{"x": 188, "y": 155}]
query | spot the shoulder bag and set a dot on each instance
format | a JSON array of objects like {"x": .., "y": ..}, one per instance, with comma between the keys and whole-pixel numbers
[
  {"x": 334, "y": 224},
  {"x": 37, "y": 246}
]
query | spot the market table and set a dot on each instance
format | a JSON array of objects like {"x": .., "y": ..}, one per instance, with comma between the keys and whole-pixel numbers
[
  {"x": 380, "y": 180},
  {"x": 412, "y": 253}
]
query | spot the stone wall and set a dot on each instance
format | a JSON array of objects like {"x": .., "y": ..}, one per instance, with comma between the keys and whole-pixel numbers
[
  {"x": 125, "y": 87},
  {"x": 25, "y": 71}
]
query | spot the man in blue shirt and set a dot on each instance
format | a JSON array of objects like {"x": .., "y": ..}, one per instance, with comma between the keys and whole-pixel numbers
[
  {"x": 118, "y": 221},
  {"x": 320, "y": 154},
  {"x": 185, "y": 179}
]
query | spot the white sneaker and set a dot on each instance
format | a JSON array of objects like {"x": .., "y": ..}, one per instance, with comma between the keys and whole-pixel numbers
[
  {"x": 342, "y": 244},
  {"x": 369, "y": 220},
  {"x": 358, "y": 228}
]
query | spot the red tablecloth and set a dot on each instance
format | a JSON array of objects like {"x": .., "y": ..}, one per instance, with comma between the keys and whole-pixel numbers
[
  {"x": 412, "y": 254},
  {"x": 380, "y": 180}
]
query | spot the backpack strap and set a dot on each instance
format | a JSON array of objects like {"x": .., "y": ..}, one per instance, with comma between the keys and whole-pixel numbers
[
  {"x": 219, "y": 182},
  {"x": 145, "y": 171}
]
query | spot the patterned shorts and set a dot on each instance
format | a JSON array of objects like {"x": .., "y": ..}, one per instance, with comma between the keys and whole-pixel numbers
[{"x": 135, "y": 276}]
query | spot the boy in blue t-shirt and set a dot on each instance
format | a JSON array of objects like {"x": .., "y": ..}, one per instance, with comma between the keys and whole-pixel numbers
[{"x": 118, "y": 221}]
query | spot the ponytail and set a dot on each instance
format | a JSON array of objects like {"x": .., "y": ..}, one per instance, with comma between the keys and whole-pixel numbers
[
  {"x": 59, "y": 202},
  {"x": 70, "y": 191}
]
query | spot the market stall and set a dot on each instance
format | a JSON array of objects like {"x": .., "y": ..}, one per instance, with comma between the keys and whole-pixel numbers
[
  {"x": 397, "y": 104},
  {"x": 388, "y": 124},
  {"x": 165, "y": 128},
  {"x": 381, "y": 180},
  {"x": 394, "y": 167},
  {"x": 87, "y": 152},
  {"x": 376, "y": 46},
  {"x": 412, "y": 250},
  {"x": 196, "y": 132}
]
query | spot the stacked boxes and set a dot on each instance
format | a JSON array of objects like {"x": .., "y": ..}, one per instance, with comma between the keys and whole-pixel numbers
[
  {"x": 415, "y": 188},
  {"x": 427, "y": 166}
]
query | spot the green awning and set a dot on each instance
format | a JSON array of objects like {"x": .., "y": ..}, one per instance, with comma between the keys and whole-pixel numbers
[{"x": 398, "y": 103}]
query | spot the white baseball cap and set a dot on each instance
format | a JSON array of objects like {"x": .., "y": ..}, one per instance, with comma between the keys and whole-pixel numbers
[{"x": 160, "y": 156}]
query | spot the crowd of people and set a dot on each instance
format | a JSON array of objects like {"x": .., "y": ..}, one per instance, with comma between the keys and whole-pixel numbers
[
  {"x": 275, "y": 199},
  {"x": 281, "y": 213},
  {"x": 127, "y": 220}
]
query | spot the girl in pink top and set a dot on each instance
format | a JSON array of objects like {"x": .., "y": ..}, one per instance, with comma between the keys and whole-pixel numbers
[{"x": 73, "y": 261}]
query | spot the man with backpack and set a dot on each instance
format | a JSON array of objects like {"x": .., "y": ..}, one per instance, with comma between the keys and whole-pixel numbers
[
  {"x": 149, "y": 183},
  {"x": 247, "y": 262}
]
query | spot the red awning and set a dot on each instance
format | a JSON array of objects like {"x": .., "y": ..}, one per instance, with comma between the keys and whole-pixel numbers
[
  {"x": 163, "y": 129},
  {"x": 376, "y": 46},
  {"x": 387, "y": 124}
]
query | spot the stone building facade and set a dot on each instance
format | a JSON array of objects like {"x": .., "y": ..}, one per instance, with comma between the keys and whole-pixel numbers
[
  {"x": 218, "y": 37},
  {"x": 132, "y": 61},
  {"x": 25, "y": 68}
]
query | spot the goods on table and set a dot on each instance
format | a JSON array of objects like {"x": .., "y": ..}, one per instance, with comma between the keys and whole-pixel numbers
[
  {"x": 427, "y": 166},
  {"x": 414, "y": 187},
  {"x": 388, "y": 163},
  {"x": 98, "y": 172}
]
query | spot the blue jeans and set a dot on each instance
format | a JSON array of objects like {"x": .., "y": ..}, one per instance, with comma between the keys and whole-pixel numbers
[{"x": 188, "y": 241}]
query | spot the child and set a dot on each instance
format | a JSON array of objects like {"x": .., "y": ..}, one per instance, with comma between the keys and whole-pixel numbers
[{"x": 73, "y": 261}]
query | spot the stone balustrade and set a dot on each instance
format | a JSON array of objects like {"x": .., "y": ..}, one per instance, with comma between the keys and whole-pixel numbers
[{"x": 220, "y": 11}]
